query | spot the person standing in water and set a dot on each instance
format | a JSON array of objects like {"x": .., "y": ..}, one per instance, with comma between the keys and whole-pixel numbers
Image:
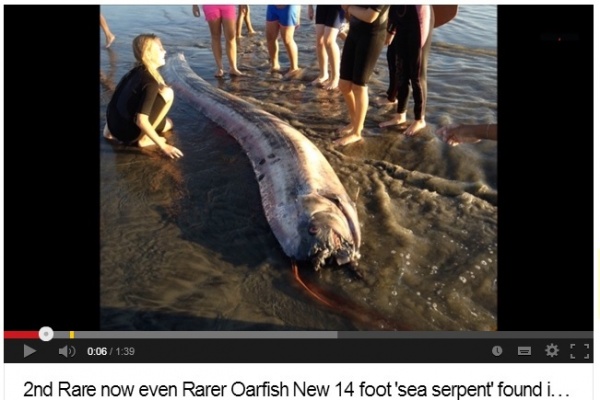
[
  {"x": 108, "y": 35},
  {"x": 244, "y": 18},
  {"x": 361, "y": 50},
  {"x": 221, "y": 17},
  {"x": 414, "y": 27},
  {"x": 137, "y": 111},
  {"x": 328, "y": 20},
  {"x": 282, "y": 20}
]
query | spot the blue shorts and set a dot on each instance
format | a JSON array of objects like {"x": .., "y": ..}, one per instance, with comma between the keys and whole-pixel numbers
[{"x": 285, "y": 15}]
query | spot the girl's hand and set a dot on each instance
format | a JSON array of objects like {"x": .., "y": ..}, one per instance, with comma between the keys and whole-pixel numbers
[
  {"x": 455, "y": 135},
  {"x": 172, "y": 151}
]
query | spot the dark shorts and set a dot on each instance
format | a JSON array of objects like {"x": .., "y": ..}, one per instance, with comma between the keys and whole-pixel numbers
[
  {"x": 360, "y": 55},
  {"x": 329, "y": 15},
  {"x": 126, "y": 130}
]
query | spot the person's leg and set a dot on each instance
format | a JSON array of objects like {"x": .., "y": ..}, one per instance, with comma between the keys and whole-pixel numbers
[
  {"x": 122, "y": 130},
  {"x": 240, "y": 20},
  {"x": 392, "y": 92},
  {"x": 397, "y": 119},
  {"x": 361, "y": 101},
  {"x": 360, "y": 94},
  {"x": 230, "y": 41},
  {"x": 113, "y": 124},
  {"x": 419, "y": 87},
  {"x": 366, "y": 54},
  {"x": 401, "y": 79},
  {"x": 272, "y": 33},
  {"x": 287, "y": 36},
  {"x": 215, "y": 40},
  {"x": 418, "y": 77},
  {"x": 333, "y": 55},
  {"x": 145, "y": 141},
  {"x": 108, "y": 35},
  {"x": 346, "y": 89},
  {"x": 347, "y": 66},
  {"x": 248, "y": 22},
  {"x": 400, "y": 116},
  {"x": 402, "y": 91},
  {"x": 160, "y": 123},
  {"x": 321, "y": 56},
  {"x": 167, "y": 95},
  {"x": 289, "y": 18}
]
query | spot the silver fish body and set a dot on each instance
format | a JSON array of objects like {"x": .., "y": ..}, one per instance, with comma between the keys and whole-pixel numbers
[{"x": 305, "y": 204}]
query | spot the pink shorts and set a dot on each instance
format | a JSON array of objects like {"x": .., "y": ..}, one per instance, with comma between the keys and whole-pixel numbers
[{"x": 217, "y": 11}]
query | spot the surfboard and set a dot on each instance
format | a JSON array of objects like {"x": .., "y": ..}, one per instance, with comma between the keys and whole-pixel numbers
[{"x": 444, "y": 13}]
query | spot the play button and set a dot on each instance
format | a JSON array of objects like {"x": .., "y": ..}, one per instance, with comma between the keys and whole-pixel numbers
[{"x": 27, "y": 351}]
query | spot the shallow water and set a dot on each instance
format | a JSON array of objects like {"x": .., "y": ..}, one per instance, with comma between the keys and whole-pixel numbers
[{"x": 185, "y": 244}]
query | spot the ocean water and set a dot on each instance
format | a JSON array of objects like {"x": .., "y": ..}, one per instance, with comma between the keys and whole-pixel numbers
[{"x": 185, "y": 244}]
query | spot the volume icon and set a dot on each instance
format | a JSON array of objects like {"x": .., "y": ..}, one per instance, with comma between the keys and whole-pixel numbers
[{"x": 67, "y": 351}]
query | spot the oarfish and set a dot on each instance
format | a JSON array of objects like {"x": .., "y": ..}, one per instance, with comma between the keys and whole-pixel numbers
[{"x": 305, "y": 204}]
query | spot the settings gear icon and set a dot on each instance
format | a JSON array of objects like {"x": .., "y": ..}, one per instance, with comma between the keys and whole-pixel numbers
[{"x": 552, "y": 350}]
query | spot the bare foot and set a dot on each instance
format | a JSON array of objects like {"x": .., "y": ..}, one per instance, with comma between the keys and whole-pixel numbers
[
  {"x": 253, "y": 33},
  {"x": 344, "y": 130},
  {"x": 275, "y": 68},
  {"x": 332, "y": 84},
  {"x": 346, "y": 140},
  {"x": 145, "y": 141},
  {"x": 292, "y": 73},
  {"x": 236, "y": 72},
  {"x": 397, "y": 120},
  {"x": 219, "y": 73},
  {"x": 384, "y": 101},
  {"x": 320, "y": 80},
  {"x": 415, "y": 127},
  {"x": 107, "y": 133},
  {"x": 109, "y": 40}
]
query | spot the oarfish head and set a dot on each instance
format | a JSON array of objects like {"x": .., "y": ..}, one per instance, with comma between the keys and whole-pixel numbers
[{"x": 332, "y": 233}]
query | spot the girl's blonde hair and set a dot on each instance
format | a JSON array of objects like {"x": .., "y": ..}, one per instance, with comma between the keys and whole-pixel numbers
[{"x": 141, "y": 45}]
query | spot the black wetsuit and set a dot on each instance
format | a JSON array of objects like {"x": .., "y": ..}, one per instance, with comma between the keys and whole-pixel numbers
[
  {"x": 136, "y": 93},
  {"x": 411, "y": 53},
  {"x": 363, "y": 46}
]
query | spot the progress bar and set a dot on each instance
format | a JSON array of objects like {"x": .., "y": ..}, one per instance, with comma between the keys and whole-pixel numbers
[{"x": 298, "y": 335}]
